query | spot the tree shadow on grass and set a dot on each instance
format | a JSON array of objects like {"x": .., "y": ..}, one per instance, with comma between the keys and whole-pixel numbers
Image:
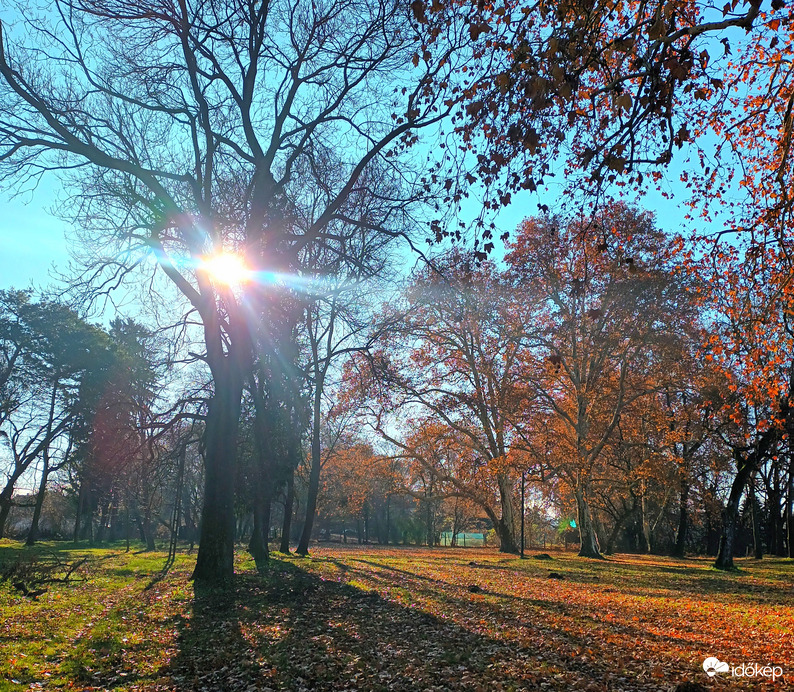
[{"x": 291, "y": 630}]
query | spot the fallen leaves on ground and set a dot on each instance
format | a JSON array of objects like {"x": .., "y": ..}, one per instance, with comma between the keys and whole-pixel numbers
[{"x": 369, "y": 618}]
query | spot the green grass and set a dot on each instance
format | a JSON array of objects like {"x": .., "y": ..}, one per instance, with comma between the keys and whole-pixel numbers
[
  {"x": 90, "y": 629},
  {"x": 382, "y": 619}
]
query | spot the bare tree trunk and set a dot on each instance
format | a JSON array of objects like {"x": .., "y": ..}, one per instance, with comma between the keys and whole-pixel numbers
[
  {"x": 609, "y": 549},
  {"x": 758, "y": 546},
  {"x": 790, "y": 497},
  {"x": 104, "y": 520},
  {"x": 730, "y": 518},
  {"x": 388, "y": 517},
  {"x": 747, "y": 466},
  {"x": 80, "y": 506},
  {"x": 33, "y": 533},
  {"x": 215, "y": 560},
  {"x": 5, "y": 510},
  {"x": 260, "y": 538},
  {"x": 455, "y": 523},
  {"x": 286, "y": 528},
  {"x": 258, "y": 545},
  {"x": 588, "y": 541},
  {"x": 314, "y": 482},
  {"x": 646, "y": 523},
  {"x": 683, "y": 519},
  {"x": 6, "y": 501},
  {"x": 788, "y": 512},
  {"x": 506, "y": 526}
]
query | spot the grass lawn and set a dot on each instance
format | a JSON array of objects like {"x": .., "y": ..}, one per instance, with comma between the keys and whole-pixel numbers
[{"x": 369, "y": 618}]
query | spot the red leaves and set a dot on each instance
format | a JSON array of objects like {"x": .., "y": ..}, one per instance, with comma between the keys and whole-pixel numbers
[
  {"x": 476, "y": 29},
  {"x": 418, "y": 9},
  {"x": 473, "y": 109}
]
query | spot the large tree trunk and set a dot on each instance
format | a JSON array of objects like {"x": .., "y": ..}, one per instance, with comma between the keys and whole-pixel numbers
[
  {"x": 215, "y": 560},
  {"x": 505, "y": 527},
  {"x": 33, "y": 533},
  {"x": 314, "y": 483},
  {"x": 613, "y": 535},
  {"x": 5, "y": 510},
  {"x": 683, "y": 519},
  {"x": 258, "y": 545},
  {"x": 746, "y": 466},
  {"x": 730, "y": 517},
  {"x": 6, "y": 500},
  {"x": 148, "y": 529},
  {"x": 588, "y": 541},
  {"x": 758, "y": 544},
  {"x": 104, "y": 512},
  {"x": 773, "y": 516},
  {"x": 81, "y": 499},
  {"x": 289, "y": 500},
  {"x": 790, "y": 499},
  {"x": 646, "y": 522}
]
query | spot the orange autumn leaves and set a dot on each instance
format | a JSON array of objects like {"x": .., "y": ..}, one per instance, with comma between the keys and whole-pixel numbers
[{"x": 480, "y": 374}]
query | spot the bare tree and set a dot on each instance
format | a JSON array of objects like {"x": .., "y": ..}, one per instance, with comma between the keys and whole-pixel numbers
[{"x": 183, "y": 130}]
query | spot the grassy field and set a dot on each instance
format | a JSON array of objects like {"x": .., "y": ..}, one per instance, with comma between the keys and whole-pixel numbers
[{"x": 368, "y": 618}]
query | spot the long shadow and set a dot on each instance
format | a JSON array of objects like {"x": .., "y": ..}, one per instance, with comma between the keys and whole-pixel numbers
[
  {"x": 213, "y": 653},
  {"x": 162, "y": 573},
  {"x": 570, "y": 626},
  {"x": 291, "y": 630}
]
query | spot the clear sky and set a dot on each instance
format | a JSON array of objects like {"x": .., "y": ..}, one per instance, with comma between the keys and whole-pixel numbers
[{"x": 32, "y": 240}]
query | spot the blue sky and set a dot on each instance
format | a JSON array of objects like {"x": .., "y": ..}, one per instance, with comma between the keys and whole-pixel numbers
[{"x": 32, "y": 240}]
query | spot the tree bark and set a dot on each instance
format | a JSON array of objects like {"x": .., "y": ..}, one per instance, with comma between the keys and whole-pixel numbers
[
  {"x": 215, "y": 560},
  {"x": 286, "y": 528},
  {"x": 5, "y": 510},
  {"x": 790, "y": 498},
  {"x": 683, "y": 519},
  {"x": 33, "y": 533},
  {"x": 314, "y": 482},
  {"x": 258, "y": 545},
  {"x": 506, "y": 526},
  {"x": 730, "y": 517},
  {"x": 646, "y": 523},
  {"x": 609, "y": 549},
  {"x": 758, "y": 545},
  {"x": 746, "y": 465},
  {"x": 588, "y": 541},
  {"x": 6, "y": 500}
]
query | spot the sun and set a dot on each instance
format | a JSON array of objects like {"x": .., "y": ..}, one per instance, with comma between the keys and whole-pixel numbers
[{"x": 226, "y": 268}]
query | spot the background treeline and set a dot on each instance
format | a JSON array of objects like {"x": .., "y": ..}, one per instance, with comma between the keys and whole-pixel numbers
[
  {"x": 598, "y": 365},
  {"x": 638, "y": 382}
]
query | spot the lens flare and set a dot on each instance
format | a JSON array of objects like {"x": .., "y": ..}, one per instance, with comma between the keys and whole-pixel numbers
[{"x": 226, "y": 268}]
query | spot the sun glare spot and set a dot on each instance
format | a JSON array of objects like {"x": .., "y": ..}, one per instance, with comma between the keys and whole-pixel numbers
[{"x": 226, "y": 268}]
